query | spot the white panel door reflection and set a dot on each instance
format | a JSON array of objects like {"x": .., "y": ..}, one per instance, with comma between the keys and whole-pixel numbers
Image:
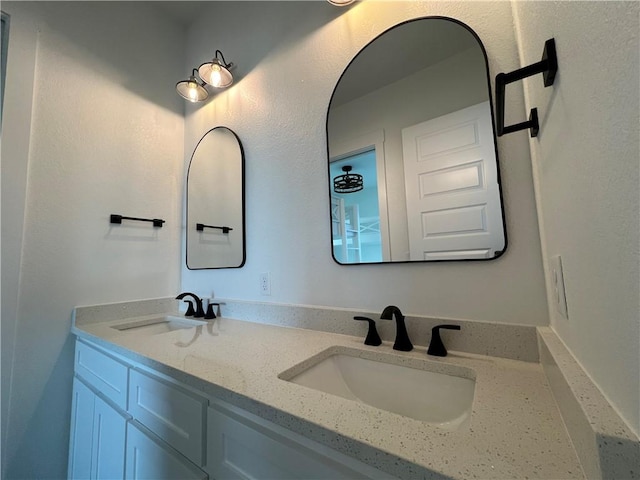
[{"x": 451, "y": 184}]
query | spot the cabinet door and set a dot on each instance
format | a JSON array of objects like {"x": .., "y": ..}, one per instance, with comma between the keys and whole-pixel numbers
[
  {"x": 147, "y": 458},
  {"x": 81, "y": 441},
  {"x": 109, "y": 433},
  {"x": 96, "y": 447}
]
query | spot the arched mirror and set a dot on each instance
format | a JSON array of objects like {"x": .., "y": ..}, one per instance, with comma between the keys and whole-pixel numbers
[
  {"x": 413, "y": 168},
  {"x": 215, "y": 202}
]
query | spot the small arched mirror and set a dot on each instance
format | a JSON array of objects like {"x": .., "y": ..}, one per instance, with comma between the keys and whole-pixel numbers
[
  {"x": 215, "y": 202},
  {"x": 413, "y": 167}
]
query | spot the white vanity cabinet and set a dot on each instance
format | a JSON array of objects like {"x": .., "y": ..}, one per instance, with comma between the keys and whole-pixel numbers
[
  {"x": 143, "y": 428},
  {"x": 166, "y": 430},
  {"x": 98, "y": 428}
]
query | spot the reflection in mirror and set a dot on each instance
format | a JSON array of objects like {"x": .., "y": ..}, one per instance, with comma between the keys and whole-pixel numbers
[
  {"x": 215, "y": 202},
  {"x": 418, "y": 127}
]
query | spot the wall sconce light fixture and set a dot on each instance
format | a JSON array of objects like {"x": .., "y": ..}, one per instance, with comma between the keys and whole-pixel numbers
[
  {"x": 217, "y": 72},
  {"x": 192, "y": 89},
  {"x": 340, "y": 3},
  {"x": 348, "y": 182}
]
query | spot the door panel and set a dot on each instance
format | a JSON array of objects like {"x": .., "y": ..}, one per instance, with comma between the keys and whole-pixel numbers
[
  {"x": 81, "y": 442},
  {"x": 109, "y": 429},
  {"x": 452, "y": 194}
]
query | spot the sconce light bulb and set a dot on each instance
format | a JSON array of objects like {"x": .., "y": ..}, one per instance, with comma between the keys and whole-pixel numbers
[
  {"x": 193, "y": 91},
  {"x": 216, "y": 76}
]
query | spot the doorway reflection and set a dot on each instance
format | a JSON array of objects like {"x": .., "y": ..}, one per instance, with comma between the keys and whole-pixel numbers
[{"x": 355, "y": 217}]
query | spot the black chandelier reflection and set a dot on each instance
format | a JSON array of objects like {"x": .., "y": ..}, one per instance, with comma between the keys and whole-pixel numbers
[{"x": 348, "y": 182}]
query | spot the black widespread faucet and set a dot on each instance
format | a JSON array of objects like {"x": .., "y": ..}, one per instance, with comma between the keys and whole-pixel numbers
[
  {"x": 199, "y": 313},
  {"x": 402, "y": 342}
]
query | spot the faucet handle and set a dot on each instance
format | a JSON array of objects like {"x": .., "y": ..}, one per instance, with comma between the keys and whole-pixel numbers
[
  {"x": 436, "y": 347},
  {"x": 372, "y": 335},
  {"x": 210, "y": 313},
  {"x": 190, "y": 311}
]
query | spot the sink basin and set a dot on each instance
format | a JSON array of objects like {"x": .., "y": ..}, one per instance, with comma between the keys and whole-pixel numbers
[
  {"x": 444, "y": 399},
  {"x": 161, "y": 324}
]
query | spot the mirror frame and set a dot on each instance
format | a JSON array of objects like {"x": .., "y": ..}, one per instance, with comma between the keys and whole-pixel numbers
[
  {"x": 495, "y": 147},
  {"x": 244, "y": 227}
]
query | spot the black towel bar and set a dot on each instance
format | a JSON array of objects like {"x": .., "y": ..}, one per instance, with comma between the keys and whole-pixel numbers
[
  {"x": 201, "y": 226},
  {"x": 118, "y": 219},
  {"x": 548, "y": 66}
]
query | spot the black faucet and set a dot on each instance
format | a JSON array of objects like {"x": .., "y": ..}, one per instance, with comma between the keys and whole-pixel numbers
[
  {"x": 402, "y": 342},
  {"x": 199, "y": 310},
  {"x": 436, "y": 347}
]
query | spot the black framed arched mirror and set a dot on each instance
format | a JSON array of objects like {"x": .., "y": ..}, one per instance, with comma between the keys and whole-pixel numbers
[
  {"x": 215, "y": 202},
  {"x": 411, "y": 118}
]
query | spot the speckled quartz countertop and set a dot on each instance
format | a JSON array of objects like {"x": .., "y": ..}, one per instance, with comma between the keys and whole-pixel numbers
[{"x": 515, "y": 431}]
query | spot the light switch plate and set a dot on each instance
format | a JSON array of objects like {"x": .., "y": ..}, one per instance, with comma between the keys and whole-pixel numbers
[{"x": 557, "y": 284}]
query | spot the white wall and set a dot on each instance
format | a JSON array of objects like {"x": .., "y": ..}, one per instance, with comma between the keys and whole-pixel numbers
[
  {"x": 102, "y": 131},
  {"x": 16, "y": 129},
  {"x": 290, "y": 56},
  {"x": 586, "y": 162}
]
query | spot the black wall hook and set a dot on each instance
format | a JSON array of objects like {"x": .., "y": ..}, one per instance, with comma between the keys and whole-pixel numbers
[{"x": 548, "y": 66}]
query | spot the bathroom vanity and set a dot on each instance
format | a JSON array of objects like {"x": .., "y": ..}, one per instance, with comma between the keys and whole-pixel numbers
[{"x": 214, "y": 400}]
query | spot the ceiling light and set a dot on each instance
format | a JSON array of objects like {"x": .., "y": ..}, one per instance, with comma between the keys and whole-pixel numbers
[{"x": 348, "y": 182}]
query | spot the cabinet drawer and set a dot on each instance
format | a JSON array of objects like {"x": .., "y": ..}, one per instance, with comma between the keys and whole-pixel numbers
[
  {"x": 173, "y": 414},
  {"x": 103, "y": 372},
  {"x": 242, "y": 446}
]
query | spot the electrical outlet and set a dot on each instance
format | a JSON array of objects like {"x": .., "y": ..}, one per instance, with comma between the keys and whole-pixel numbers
[
  {"x": 557, "y": 283},
  {"x": 265, "y": 283}
]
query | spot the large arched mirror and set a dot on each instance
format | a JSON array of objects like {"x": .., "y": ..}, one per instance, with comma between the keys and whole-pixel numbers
[
  {"x": 215, "y": 202},
  {"x": 413, "y": 168}
]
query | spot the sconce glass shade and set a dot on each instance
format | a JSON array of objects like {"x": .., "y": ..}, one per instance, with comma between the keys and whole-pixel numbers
[
  {"x": 216, "y": 72},
  {"x": 348, "y": 182},
  {"x": 192, "y": 90},
  {"x": 340, "y": 3}
]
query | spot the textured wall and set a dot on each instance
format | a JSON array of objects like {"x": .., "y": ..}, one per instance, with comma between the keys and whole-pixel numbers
[
  {"x": 587, "y": 180},
  {"x": 106, "y": 136},
  {"x": 290, "y": 56}
]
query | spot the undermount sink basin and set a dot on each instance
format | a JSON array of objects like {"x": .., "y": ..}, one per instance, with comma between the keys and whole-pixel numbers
[
  {"x": 160, "y": 324},
  {"x": 444, "y": 399}
]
